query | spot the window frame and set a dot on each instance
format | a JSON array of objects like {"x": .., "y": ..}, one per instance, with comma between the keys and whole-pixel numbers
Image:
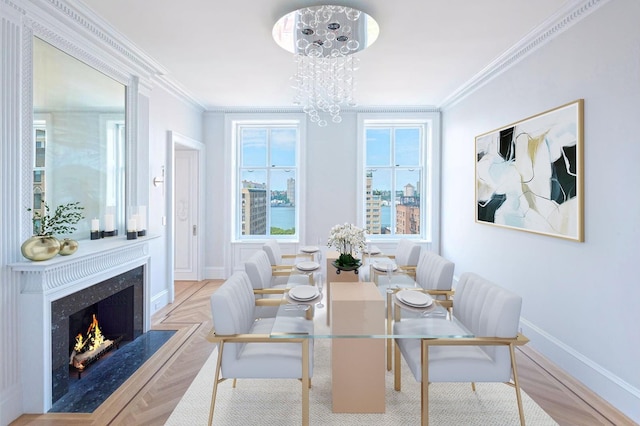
[
  {"x": 430, "y": 163},
  {"x": 234, "y": 123}
]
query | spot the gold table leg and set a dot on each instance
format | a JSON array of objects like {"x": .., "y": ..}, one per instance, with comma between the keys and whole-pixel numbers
[
  {"x": 305, "y": 382},
  {"x": 424, "y": 385},
  {"x": 389, "y": 331}
]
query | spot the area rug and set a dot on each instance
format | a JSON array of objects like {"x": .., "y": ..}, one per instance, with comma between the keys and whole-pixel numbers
[{"x": 278, "y": 402}]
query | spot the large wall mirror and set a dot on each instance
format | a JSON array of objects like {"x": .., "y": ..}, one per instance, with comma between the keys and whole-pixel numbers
[{"x": 79, "y": 138}]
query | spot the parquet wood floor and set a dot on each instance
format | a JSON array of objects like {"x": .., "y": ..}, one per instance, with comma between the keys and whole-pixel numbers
[{"x": 151, "y": 394}]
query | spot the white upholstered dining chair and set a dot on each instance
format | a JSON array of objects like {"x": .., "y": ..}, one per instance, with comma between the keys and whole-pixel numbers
[
  {"x": 492, "y": 314},
  {"x": 280, "y": 262},
  {"x": 406, "y": 259},
  {"x": 267, "y": 283},
  {"x": 245, "y": 349},
  {"x": 434, "y": 273}
]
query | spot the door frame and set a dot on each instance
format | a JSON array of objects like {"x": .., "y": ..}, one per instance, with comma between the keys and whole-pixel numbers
[{"x": 177, "y": 139}]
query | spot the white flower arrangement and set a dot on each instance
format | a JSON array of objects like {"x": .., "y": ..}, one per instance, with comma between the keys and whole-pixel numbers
[{"x": 348, "y": 240}]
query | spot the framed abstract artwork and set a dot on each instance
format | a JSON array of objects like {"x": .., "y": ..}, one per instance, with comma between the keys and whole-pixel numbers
[{"x": 529, "y": 174}]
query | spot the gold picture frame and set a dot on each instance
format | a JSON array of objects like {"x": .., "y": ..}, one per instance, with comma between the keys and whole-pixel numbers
[{"x": 529, "y": 174}]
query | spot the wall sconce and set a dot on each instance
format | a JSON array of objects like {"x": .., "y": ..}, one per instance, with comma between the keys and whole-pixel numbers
[{"x": 159, "y": 180}]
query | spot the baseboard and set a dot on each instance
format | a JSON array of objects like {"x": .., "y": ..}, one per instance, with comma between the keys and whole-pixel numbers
[
  {"x": 159, "y": 300},
  {"x": 10, "y": 404},
  {"x": 599, "y": 387},
  {"x": 215, "y": 273}
]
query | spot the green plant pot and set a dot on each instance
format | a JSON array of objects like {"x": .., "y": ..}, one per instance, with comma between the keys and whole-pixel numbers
[{"x": 40, "y": 247}]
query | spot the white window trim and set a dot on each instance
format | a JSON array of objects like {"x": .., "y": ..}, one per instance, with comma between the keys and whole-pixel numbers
[
  {"x": 431, "y": 163},
  {"x": 231, "y": 170}
]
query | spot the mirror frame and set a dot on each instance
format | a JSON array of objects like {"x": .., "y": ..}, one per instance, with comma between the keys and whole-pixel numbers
[{"x": 83, "y": 54}]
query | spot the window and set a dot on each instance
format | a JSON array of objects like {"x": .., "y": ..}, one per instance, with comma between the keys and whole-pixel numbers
[
  {"x": 40, "y": 149},
  {"x": 397, "y": 177},
  {"x": 267, "y": 176}
]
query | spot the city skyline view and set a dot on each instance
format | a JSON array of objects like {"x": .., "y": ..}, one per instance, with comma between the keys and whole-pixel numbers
[{"x": 393, "y": 168}]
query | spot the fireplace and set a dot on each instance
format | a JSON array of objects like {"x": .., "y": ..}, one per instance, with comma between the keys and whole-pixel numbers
[
  {"x": 106, "y": 267},
  {"x": 117, "y": 302}
]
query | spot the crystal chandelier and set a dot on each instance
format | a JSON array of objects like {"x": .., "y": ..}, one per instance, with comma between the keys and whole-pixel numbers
[{"x": 323, "y": 40}]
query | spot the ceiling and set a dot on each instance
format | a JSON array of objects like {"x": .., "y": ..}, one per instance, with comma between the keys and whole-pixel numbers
[{"x": 222, "y": 53}]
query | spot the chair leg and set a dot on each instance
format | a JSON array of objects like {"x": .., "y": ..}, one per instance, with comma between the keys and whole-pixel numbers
[
  {"x": 215, "y": 382},
  {"x": 235, "y": 381},
  {"x": 397, "y": 373},
  {"x": 309, "y": 382},
  {"x": 473, "y": 386},
  {"x": 516, "y": 383}
]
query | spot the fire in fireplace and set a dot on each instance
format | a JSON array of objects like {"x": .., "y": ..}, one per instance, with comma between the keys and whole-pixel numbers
[
  {"x": 89, "y": 347},
  {"x": 92, "y": 341}
]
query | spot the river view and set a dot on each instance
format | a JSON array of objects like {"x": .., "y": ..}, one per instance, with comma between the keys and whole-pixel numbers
[{"x": 284, "y": 217}]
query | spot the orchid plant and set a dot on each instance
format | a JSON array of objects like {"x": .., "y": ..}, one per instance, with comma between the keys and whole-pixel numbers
[{"x": 348, "y": 240}]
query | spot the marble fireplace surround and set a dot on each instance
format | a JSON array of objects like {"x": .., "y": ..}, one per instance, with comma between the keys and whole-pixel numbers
[{"x": 41, "y": 283}]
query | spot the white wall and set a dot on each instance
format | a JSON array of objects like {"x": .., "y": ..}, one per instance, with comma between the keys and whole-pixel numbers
[
  {"x": 216, "y": 252},
  {"x": 166, "y": 113},
  {"x": 580, "y": 299}
]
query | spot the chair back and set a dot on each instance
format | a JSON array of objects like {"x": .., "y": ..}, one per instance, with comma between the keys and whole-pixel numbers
[
  {"x": 232, "y": 311},
  {"x": 488, "y": 310},
  {"x": 272, "y": 248},
  {"x": 407, "y": 253},
  {"x": 434, "y": 272},
  {"x": 258, "y": 270}
]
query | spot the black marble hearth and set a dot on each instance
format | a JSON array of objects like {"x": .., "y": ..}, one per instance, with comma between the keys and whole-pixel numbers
[{"x": 105, "y": 376}]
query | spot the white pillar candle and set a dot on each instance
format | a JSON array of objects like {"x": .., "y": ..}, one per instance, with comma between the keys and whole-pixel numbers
[
  {"x": 142, "y": 218},
  {"x": 132, "y": 226},
  {"x": 109, "y": 223},
  {"x": 95, "y": 225}
]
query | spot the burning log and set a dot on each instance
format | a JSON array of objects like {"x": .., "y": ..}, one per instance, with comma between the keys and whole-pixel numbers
[{"x": 87, "y": 349}]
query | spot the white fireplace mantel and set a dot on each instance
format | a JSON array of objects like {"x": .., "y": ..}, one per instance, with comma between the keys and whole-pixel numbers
[
  {"x": 44, "y": 282},
  {"x": 93, "y": 258}
]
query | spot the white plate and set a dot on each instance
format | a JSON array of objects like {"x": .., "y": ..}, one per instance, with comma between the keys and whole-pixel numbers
[
  {"x": 372, "y": 250},
  {"x": 303, "y": 292},
  {"x": 384, "y": 266},
  {"x": 309, "y": 249},
  {"x": 307, "y": 266},
  {"x": 414, "y": 298}
]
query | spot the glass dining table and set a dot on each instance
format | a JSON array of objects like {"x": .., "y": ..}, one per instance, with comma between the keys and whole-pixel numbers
[{"x": 361, "y": 333}]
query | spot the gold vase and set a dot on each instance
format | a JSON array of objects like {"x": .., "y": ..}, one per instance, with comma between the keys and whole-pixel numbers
[
  {"x": 40, "y": 247},
  {"x": 68, "y": 246}
]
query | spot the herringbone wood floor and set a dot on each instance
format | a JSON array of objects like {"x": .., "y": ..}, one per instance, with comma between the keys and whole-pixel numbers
[{"x": 151, "y": 394}]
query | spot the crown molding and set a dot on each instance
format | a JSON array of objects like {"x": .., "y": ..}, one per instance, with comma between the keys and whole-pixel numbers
[
  {"x": 74, "y": 26},
  {"x": 149, "y": 70},
  {"x": 177, "y": 90},
  {"x": 572, "y": 13},
  {"x": 356, "y": 109},
  {"x": 104, "y": 35},
  {"x": 10, "y": 5}
]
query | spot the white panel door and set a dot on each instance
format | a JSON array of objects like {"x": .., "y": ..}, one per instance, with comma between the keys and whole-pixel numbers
[{"x": 186, "y": 215}]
